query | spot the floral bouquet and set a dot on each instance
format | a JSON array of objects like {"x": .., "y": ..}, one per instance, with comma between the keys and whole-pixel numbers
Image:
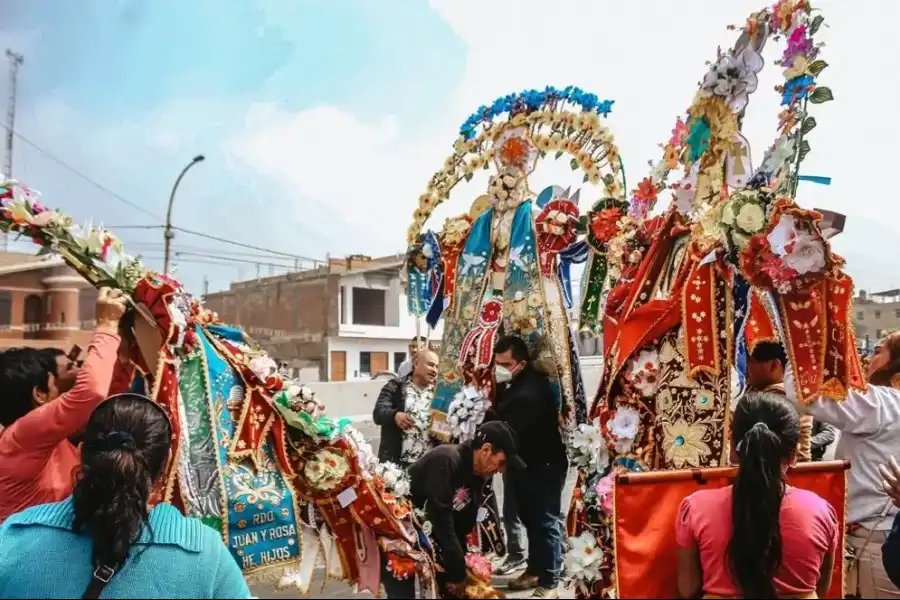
[
  {"x": 790, "y": 254},
  {"x": 95, "y": 253},
  {"x": 583, "y": 561},
  {"x": 478, "y": 577},
  {"x": 395, "y": 479},
  {"x": 466, "y": 412},
  {"x": 326, "y": 470}
]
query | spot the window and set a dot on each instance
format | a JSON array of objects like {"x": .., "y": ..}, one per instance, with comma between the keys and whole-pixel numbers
[
  {"x": 343, "y": 306},
  {"x": 859, "y": 315},
  {"x": 877, "y": 314},
  {"x": 399, "y": 357},
  {"x": 5, "y": 310},
  {"x": 365, "y": 363},
  {"x": 897, "y": 313},
  {"x": 368, "y": 306}
]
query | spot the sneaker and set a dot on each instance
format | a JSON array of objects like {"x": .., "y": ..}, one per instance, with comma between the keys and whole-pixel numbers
[
  {"x": 523, "y": 582},
  {"x": 543, "y": 592},
  {"x": 510, "y": 565}
]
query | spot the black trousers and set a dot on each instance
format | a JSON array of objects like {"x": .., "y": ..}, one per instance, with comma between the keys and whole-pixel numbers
[{"x": 538, "y": 490}]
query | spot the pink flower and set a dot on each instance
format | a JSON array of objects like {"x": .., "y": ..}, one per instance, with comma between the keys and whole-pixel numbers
[
  {"x": 480, "y": 565},
  {"x": 604, "y": 491},
  {"x": 679, "y": 134},
  {"x": 798, "y": 44}
]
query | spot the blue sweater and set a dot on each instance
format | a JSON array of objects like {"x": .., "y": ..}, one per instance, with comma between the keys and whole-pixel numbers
[{"x": 41, "y": 557}]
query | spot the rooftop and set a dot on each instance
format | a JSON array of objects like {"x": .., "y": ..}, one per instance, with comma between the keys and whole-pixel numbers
[{"x": 16, "y": 262}]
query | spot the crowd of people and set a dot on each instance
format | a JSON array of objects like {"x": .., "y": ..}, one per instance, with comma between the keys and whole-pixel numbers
[{"x": 79, "y": 454}]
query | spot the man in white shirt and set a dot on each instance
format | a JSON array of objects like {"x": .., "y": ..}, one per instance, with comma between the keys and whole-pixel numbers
[{"x": 406, "y": 366}]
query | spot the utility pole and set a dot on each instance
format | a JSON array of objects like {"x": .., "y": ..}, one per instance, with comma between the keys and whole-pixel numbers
[{"x": 15, "y": 60}]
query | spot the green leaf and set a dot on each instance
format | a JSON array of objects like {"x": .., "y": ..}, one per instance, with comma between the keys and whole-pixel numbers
[
  {"x": 542, "y": 154},
  {"x": 808, "y": 125},
  {"x": 469, "y": 176},
  {"x": 558, "y": 154},
  {"x": 574, "y": 164},
  {"x": 816, "y": 23},
  {"x": 487, "y": 165},
  {"x": 821, "y": 95},
  {"x": 804, "y": 149},
  {"x": 585, "y": 180},
  {"x": 817, "y": 66}
]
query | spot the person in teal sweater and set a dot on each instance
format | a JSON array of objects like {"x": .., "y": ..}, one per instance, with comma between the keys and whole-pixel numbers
[{"x": 103, "y": 541}]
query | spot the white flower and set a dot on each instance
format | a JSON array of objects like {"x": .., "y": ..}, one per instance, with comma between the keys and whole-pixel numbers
[
  {"x": 734, "y": 77},
  {"x": 623, "y": 428},
  {"x": 426, "y": 528},
  {"x": 806, "y": 256},
  {"x": 779, "y": 154},
  {"x": 588, "y": 448},
  {"x": 263, "y": 367},
  {"x": 728, "y": 213},
  {"x": 583, "y": 560},
  {"x": 782, "y": 235},
  {"x": 643, "y": 372},
  {"x": 751, "y": 218}
]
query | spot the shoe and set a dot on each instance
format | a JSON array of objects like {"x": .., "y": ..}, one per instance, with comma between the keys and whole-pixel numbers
[
  {"x": 549, "y": 593},
  {"x": 510, "y": 565},
  {"x": 523, "y": 582}
]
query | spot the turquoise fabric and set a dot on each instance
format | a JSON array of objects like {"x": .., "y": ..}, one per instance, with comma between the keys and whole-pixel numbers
[{"x": 41, "y": 557}]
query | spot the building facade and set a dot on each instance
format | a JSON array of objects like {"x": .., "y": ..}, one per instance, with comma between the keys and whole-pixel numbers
[
  {"x": 344, "y": 320},
  {"x": 875, "y": 315},
  {"x": 43, "y": 303}
]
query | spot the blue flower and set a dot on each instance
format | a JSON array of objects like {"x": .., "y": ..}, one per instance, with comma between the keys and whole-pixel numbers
[{"x": 796, "y": 89}]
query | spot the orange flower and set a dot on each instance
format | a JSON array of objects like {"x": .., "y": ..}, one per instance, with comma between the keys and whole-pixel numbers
[
  {"x": 514, "y": 152},
  {"x": 605, "y": 224},
  {"x": 752, "y": 26},
  {"x": 671, "y": 157},
  {"x": 646, "y": 191},
  {"x": 786, "y": 120}
]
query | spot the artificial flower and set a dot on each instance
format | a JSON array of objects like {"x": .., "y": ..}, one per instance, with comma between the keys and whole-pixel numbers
[
  {"x": 643, "y": 372},
  {"x": 604, "y": 489},
  {"x": 728, "y": 213},
  {"x": 782, "y": 235},
  {"x": 780, "y": 154},
  {"x": 679, "y": 133},
  {"x": 751, "y": 218},
  {"x": 588, "y": 448},
  {"x": 798, "y": 46},
  {"x": 798, "y": 68},
  {"x": 623, "y": 428},
  {"x": 671, "y": 156},
  {"x": 797, "y": 89},
  {"x": 786, "y": 120},
  {"x": 326, "y": 470},
  {"x": 479, "y": 565},
  {"x": 683, "y": 443},
  {"x": 734, "y": 77},
  {"x": 604, "y": 223},
  {"x": 698, "y": 138},
  {"x": 806, "y": 255},
  {"x": 583, "y": 559}
]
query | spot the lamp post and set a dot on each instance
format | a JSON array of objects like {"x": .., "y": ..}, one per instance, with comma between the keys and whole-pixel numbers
[{"x": 169, "y": 234}]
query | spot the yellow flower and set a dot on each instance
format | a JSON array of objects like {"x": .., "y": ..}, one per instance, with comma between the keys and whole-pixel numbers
[
  {"x": 612, "y": 188},
  {"x": 572, "y": 147},
  {"x": 683, "y": 443},
  {"x": 556, "y": 141},
  {"x": 594, "y": 175},
  {"x": 477, "y": 162},
  {"x": 427, "y": 201},
  {"x": 671, "y": 157},
  {"x": 582, "y": 157},
  {"x": 590, "y": 121},
  {"x": 799, "y": 68},
  {"x": 606, "y": 136},
  {"x": 543, "y": 143},
  {"x": 518, "y": 120},
  {"x": 460, "y": 144},
  {"x": 450, "y": 163},
  {"x": 535, "y": 300},
  {"x": 612, "y": 155}
]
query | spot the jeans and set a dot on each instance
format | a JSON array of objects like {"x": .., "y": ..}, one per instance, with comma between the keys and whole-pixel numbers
[
  {"x": 515, "y": 531},
  {"x": 539, "y": 493}
]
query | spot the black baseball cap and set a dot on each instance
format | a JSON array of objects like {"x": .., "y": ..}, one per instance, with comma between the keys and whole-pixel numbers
[{"x": 502, "y": 437}]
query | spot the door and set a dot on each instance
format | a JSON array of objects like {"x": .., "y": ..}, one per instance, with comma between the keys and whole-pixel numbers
[
  {"x": 379, "y": 362},
  {"x": 338, "y": 365}
]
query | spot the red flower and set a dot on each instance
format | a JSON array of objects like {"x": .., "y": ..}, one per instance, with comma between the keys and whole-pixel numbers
[
  {"x": 490, "y": 312},
  {"x": 605, "y": 224},
  {"x": 646, "y": 191},
  {"x": 514, "y": 152}
]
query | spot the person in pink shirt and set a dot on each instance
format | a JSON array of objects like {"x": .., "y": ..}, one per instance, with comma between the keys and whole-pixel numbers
[
  {"x": 37, "y": 460},
  {"x": 772, "y": 541}
]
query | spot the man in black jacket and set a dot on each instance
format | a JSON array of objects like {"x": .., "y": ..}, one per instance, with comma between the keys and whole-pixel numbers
[
  {"x": 526, "y": 400},
  {"x": 448, "y": 484},
  {"x": 403, "y": 410}
]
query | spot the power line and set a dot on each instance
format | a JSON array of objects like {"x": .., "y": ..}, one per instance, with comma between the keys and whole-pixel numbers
[
  {"x": 207, "y": 250},
  {"x": 78, "y": 173}
]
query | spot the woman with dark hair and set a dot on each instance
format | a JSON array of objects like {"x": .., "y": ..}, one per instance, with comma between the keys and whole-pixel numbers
[
  {"x": 774, "y": 541},
  {"x": 104, "y": 539},
  {"x": 869, "y": 423}
]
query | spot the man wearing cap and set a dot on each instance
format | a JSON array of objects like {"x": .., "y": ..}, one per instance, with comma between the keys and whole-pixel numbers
[{"x": 448, "y": 484}]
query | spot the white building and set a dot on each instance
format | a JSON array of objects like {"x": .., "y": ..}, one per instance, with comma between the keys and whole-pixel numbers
[{"x": 375, "y": 327}]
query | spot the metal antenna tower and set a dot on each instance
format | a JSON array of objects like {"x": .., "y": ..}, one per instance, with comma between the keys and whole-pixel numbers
[{"x": 15, "y": 60}]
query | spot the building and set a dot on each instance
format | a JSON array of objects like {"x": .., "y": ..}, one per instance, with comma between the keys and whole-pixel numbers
[
  {"x": 346, "y": 319},
  {"x": 875, "y": 316},
  {"x": 43, "y": 303}
]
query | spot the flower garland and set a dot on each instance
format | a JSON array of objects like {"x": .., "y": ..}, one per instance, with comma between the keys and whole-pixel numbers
[
  {"x": 416, "y": 439},
  {"x": 538, "y": 123},
  {"x": 326, "y": 470},
  {"x": 466, "y": 412},
  {"x": 396, "y": 480}
]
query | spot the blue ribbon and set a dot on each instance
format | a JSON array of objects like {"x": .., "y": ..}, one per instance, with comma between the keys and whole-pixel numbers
[
  {"x": 815, "y": 179},
  {"x": 576, "y": 254}
]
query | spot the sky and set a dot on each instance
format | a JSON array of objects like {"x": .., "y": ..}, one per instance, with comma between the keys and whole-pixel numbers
[{"x": 322, "y": 120}]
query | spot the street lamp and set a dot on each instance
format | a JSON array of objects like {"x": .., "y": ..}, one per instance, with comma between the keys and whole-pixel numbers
[{"x": 169, "y": 234}]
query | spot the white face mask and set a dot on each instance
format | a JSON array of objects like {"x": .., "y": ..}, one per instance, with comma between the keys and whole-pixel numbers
[{"x": 502, "y": 374}]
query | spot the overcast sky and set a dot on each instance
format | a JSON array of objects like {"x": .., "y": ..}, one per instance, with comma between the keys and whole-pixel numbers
[{"x": 322, "y": 120}]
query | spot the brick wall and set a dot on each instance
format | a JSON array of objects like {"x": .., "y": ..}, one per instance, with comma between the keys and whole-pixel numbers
[{"x": 290, "y": 315}]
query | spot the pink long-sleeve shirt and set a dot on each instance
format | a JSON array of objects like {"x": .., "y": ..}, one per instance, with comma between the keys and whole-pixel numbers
[{"x": 37, "y": 460}]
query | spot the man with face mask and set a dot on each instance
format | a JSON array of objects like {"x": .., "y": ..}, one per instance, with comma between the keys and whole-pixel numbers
[
  {"x": 526, "y": 401},
  {"x": 450, "y": 485}
]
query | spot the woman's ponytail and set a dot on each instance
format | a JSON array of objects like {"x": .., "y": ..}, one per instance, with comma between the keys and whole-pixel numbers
[
  {"x": 766, "y": 432},
  {"x": 125, "y": 446}
]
